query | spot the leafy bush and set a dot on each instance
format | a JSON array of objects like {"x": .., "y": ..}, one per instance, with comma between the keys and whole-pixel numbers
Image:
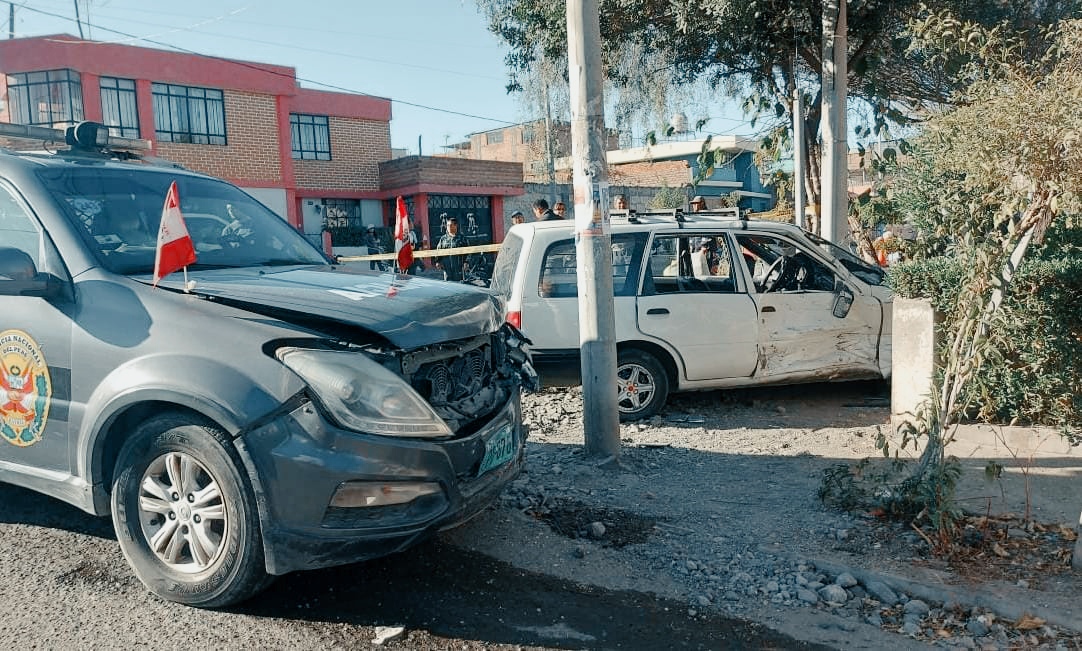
[
  {"x": 1032, "y": 371},
  {"x": 668, "y": 197}
]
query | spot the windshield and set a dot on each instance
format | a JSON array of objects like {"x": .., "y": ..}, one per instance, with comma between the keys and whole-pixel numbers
[
  {"x": 504, "y": 269},
  {"x": 118, "y": 211},
  {"x": 868, "y": 273}
]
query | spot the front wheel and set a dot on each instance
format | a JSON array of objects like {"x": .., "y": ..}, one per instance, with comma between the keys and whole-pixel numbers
[
  {"x": 641, "y": 385},
  {"x": 185, "y": 515}
]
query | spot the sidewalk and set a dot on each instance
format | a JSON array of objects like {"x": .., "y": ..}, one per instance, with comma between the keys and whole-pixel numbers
[
  {"x": 1053, "y": 467},
  {"x": 1039, "y": 466}
]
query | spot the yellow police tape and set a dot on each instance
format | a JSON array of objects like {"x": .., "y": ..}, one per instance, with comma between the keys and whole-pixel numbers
[{"x": 426, "y": 253}]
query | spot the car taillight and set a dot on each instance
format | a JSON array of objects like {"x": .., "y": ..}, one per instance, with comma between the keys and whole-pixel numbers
[{"x": 515, "y": 319}]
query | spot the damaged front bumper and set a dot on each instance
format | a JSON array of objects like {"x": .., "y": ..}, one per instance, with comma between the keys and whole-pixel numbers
[{"x": 329, "y": 496}]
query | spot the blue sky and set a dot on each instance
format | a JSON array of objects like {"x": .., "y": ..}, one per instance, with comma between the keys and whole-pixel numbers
[{"x": 419, "y": 53}]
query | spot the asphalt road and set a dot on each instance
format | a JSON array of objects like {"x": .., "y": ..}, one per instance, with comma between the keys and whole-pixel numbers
[{"x": 66, "y": 585}]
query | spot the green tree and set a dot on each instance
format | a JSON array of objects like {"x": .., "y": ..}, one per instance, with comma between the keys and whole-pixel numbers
[
  {"x": 1010, "y": 151},
  {"x": 761, "y": 49}
]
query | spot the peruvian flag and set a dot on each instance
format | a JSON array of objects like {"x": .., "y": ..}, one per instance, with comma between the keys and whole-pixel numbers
[
  {"x": 175, "y": 248},
  {"x": 402, "y": 247}
]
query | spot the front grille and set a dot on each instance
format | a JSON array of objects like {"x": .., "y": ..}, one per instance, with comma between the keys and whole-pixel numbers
[
  {"x": 456, "y": 378},
  {"x": 463, "y": 381}
]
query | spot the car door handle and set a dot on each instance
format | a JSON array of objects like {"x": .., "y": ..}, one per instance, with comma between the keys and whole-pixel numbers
[
  {"x": 768, "y": 308},
  {"x": 657, "y": 310}
]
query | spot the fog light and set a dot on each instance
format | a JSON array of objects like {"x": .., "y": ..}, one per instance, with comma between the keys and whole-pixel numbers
[{"x": 357, "y": 494}]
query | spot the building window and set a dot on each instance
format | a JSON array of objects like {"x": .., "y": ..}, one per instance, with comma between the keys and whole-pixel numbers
[
  {"x": 118, "y": 107},
  {"x": 528, "y": 134},
  {"x": 494, "y": 137},
  {"x": 188, "y": 114},
  {"x": 51, "y": 98},
  {"x": 311, "y": 136}
]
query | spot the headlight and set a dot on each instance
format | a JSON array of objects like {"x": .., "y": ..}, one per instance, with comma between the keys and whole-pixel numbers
[{"x": 362, "y": 395}]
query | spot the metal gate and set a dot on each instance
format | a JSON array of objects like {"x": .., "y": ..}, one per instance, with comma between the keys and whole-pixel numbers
[{"x": 474, "y": 214}]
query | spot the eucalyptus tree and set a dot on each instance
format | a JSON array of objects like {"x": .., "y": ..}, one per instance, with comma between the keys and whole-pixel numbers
[{"x": 761, "y": 50}]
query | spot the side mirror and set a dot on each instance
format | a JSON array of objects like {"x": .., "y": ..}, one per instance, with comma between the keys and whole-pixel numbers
[
  {"x": 843, "y": 300},
  {"x": 19, "y": 276}
]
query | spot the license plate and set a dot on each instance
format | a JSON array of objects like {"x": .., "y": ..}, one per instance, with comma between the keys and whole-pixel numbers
[{"x": 499, "y": 449}]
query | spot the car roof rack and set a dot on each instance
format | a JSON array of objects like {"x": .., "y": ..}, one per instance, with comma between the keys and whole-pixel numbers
[{"x": 676, "y": 215}]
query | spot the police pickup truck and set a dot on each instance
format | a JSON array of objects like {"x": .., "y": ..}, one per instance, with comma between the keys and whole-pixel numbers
[{"x": 264, "y": 412}]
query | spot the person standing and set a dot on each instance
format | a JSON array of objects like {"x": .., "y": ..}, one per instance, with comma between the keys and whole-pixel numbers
[
  {"x": 517, "y": 217},
  {"x": 371, "y": 241},
  {"x": 451, "y": 265},
  {"x": 697, "y": 204},
  {"x": 543, "y": 213}
]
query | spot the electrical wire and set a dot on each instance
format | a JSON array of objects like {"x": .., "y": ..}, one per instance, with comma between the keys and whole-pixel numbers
[{"x": 275, "y": 72}]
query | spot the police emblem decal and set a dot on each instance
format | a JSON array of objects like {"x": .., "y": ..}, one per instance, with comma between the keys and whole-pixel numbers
[{"x": 25, "y": 389}]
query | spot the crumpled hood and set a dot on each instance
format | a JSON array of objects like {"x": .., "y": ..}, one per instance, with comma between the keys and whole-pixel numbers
[{"x": 407, "y": 310}]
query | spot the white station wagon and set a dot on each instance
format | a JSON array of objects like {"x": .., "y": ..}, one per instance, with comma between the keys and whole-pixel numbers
[{"x": 703, "y": 301}]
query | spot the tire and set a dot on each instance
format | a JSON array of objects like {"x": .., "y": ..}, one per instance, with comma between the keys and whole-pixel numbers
[
  {"x": 173, "y": 470},
  {"x": 641, "y": 384}
]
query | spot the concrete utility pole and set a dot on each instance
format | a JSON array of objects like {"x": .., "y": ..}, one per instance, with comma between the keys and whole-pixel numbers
[
  {"x": 11, "y": 20},
  {"x": 597, "y": 324},
  {"x": 550, "y": 157},
  {"x": 835, "y": 220}
]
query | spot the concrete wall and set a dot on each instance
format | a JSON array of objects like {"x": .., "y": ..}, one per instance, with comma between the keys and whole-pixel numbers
[
  {"x": 914, "y": 341},
  {"x": 273, "y": 198}
]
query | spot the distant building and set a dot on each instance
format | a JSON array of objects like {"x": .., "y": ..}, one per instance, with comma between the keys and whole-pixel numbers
[
  {"x": 309, "y": 155},
  {"x": 675, "y": 164},
  {"x": 522, "y": 143}
]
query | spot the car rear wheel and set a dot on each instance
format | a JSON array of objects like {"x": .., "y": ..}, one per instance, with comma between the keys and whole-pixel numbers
[
  {"x": 641, "y": 385},
  {"x": 185, "y": 515}
]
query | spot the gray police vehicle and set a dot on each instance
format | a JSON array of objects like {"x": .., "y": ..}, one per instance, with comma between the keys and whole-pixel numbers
[{"x": 267, "y": 411}]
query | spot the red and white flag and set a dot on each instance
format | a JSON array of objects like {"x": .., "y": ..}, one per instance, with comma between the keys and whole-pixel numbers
[
  {"x": 402, "y": 247},
  {"x": 175, "y": 248}
]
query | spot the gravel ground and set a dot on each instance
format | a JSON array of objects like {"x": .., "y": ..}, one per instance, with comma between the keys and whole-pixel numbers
[{"x": 714, "y": 502}]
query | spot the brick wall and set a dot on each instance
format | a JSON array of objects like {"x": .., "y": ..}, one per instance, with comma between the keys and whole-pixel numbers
[
  {"x": 674, "y": 173},
  {"x": 357, "y": 148},
  {"x": 413, "y": 170},
  {"x": 251, "y": 128}
]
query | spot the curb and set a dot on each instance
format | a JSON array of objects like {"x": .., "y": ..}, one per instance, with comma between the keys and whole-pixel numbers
[{"x": 1008, "y": 608}]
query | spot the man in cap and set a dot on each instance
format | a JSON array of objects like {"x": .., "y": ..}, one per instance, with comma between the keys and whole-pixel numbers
[
  {"x": 517, "y": 217},
  {"x": 371, "y": 240},
  {"x": 698, "y": 204},
  {"x": 451, "y": 265}
]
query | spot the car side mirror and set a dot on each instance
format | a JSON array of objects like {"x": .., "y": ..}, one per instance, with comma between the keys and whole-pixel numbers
[
  {"x": 843, "y": 300},
  {"x": 19, "y": 276}
]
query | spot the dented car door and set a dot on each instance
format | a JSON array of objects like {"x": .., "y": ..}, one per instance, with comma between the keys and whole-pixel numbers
[{"x": 799, "y": 335}]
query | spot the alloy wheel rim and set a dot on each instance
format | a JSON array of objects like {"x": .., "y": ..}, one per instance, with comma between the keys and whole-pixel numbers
[
  {"x": 634, "y": 387},
  {"x": 182, "y": 513}
]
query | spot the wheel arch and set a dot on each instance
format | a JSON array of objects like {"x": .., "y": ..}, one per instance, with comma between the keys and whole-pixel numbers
[
  {"x": 660, "y": 353},
  {"x": 211, "y": 391},
  {"x": 117, "y": 428}
]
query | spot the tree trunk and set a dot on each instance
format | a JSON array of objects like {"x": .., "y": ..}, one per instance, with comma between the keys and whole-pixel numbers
[{"x": 812, "y": 176}]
